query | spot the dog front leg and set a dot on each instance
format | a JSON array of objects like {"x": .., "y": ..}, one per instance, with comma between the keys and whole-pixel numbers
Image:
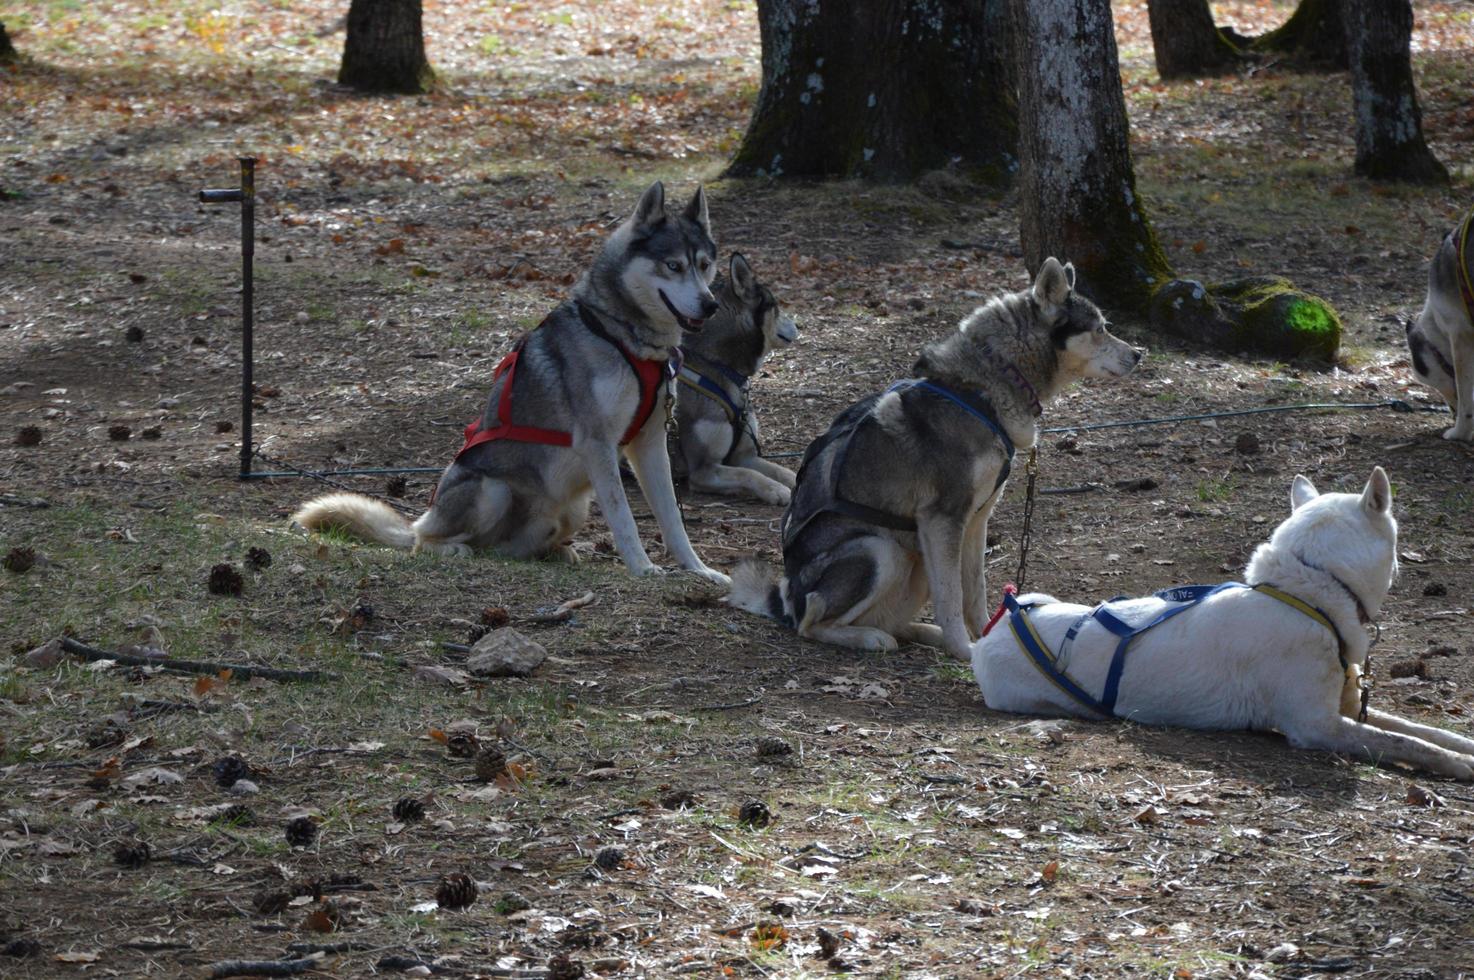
[
  {"x": 771, "y": 470},
  {"x": 1428, "y": 733},
  {"x": 602, "y": 460},
  {"x": 650, "y": 460},
  {"x": 736, "y": 479},
  {"x": 1336, "y": 733},
  {"x": 975, "y": 573},
  {"x": 1463, "y": 358},
  {"x": 941, "y": 555}
]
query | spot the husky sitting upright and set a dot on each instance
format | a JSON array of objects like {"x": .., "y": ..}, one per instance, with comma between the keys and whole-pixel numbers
[
  {"x": 716, "y": 426},
  {"x": 1283, "y": 651},
  {"x": 892, "y": 503},
  {"x": 591, "y": 379},
  {"x": 1441, "y": 340}
]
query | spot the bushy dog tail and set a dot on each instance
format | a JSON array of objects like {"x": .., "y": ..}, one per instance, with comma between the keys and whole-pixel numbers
[
  {"x": 360, "y": 516},
  {"x": 758, "y": 589}
]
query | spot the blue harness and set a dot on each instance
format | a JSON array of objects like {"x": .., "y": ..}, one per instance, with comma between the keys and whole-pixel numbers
[
  {"x": 1184, "y": 597},
  {"x": 708, "y": 386}
]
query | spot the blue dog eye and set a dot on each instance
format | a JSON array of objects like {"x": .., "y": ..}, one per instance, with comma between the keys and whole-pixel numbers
[{"x": 673, "y": 266}]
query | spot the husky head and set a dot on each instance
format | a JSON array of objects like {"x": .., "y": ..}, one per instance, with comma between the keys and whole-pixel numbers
[
  {"x": 661, "y": 266},
  {"x": 1352, "y": 536},
  {"x": 750, "y": 324},
  {"x": 1086, "y": 348}
]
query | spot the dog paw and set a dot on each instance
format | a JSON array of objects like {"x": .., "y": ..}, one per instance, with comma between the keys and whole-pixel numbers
[
  {"x": 646, "y": 571},
  {"x": 869, "y": 638},
  {"x": 712, "y": 575},
  {"x": 778, "y": 496},
  {"x": 1464, "y": 434}
]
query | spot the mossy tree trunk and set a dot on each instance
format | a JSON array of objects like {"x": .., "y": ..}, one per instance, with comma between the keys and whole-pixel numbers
[
  {"x": 1314, "y": 37},
  {"x": 1389, "y": 126},
  {"x": 881, "y": 88},
  {"x": 7, "y": 50},
  {"x": 1078, "y": 200},
  {"x": 1077, "y": 188},
  {"x": 385, "y": 49},
  {"x": 1186, "y": 42}
]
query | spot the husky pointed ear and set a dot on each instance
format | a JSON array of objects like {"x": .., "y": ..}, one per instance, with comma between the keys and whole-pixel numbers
[
  {"x": 651, "y": 207},
  {"x": 1377, "y": 497},
  {"x": 1070, "y": 274},
  {"x": 1052, "y": 286},
  {"x": 744, "y": 281},
  {"x": 696, "y": 211},
  {"x": 1302, "y": 492}
]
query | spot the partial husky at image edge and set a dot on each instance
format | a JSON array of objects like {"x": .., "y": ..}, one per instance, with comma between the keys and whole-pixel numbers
[
  {"x": 1284, "y": 650},
  {"x": 591, "y": 381},
  {"x": 891, "y": 505},
  {"x": 1441, "y": 340}
]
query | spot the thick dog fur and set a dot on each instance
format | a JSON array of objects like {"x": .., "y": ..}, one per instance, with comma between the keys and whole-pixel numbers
[
  {"x": 1441, "y": 339},
  {"x": 721, "y": 455},
  {"x": 1243, "y": 660},
  {"x": 854, "y": 583},
  {"x": 527, "y": 500}
]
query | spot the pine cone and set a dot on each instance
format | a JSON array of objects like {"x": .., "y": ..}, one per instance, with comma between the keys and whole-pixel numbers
[
  {"x": 828, "y": 944},
  {"x": 133, "y": 334},
  {"x": 223, "y": 426},
  {"x": 495, "y": 617},
  {"x": 772, "y": 745},
  {"x": 119, "y": 433},
  {"x": 609, "y": 857},
  {"x": 491, "y": 762},
  {"x": 409, "y": 809},
  {"x": 28, "y": 435},
  {"x": 561, "y": 967},
  {"x": 21, "y": 948},
  {"x": 230, "y": 769},
  {"x": 258, "y": 559},
  {"x": 132, "y": 854},
  {"x": 395, "y": 486},
  {"x": 225, "y": 580},
  {"x": 680, "y": 799},
  {"x": 462, "y": 745},
  {"x": 271, "y": 903},
  {"x": 301, "y": 831},
  {"x": 19, "y": 559},
  {"x": 455, "y": 891},
  {"x": 755, "y": 814},
  {"x": 108, "y": 733}
]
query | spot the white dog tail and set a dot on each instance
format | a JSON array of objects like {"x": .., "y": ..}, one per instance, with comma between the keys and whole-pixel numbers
[
  {"x": 363, "y": 517},
  {"x": 757, "y": 588}
]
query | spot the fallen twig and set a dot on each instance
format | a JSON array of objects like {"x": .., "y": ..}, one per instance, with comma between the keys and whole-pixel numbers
[
  {"x": 564, "y": 611},
  {"x": 392, "y": 962},
  {"x": 238, "y": 671},
  {"x": 1082, "y": 488},
  {"x": 727, "y": 707},
  {"x": 264, "y": 968},
  {"x": 6, "y": 500}
]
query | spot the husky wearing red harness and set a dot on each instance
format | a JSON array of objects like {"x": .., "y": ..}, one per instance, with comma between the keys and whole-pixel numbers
[
  {"x": 891, "y": 505},
  {"x": 592, "y": 380},
  {"x": 717, "y": 429},
  {"x": 1441, "y": 339},
  {"x": 1282, "y": 651}
]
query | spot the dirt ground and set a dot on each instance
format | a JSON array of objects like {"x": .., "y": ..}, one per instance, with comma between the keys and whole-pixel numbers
[{"x": 402, "y": 244}]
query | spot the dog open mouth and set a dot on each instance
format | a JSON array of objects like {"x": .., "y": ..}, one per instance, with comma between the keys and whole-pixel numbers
[{"x": 686, "y": 323}]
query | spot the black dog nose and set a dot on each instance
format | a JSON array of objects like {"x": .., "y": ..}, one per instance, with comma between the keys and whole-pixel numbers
[{"x": 709, "y": 307}]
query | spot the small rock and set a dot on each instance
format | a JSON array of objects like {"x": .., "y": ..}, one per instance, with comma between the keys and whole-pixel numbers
[
  {"x": 680, "y": 799},
  {"x": 1283, "y": 953},
  {"x": 152, "y": 433},
  {"x": 44, "y": 657},
  {"x": 505, "y": 653},
  {"x": 243, "y": 787}
]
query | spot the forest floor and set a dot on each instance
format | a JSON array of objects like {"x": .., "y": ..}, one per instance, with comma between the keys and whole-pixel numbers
[{"x": 402, "y": 243}]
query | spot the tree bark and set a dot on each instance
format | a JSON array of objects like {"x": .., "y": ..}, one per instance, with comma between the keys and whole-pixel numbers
[
  {"x": 385, "y": 48},
  {"x": 1186, "y": 42},
  {"x": 1078, "y": 198},
  {"x": 881, "y": 88},
  {"x": 1389, "y": 126},
  {"x": 7, "y": 50},
  {"x": 1314, "y": 37}
]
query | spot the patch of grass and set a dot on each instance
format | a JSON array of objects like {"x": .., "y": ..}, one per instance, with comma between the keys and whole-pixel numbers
[{"x": 1210, "y": 490}]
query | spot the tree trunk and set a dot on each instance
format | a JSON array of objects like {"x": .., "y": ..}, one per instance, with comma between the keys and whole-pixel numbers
[
  {"x": 881, "y": 88},
  {"x": 1077, "y": 189},
  {"x": 1186, "y": 42},
  {"x": 1389, "y": 127},
  {"x": 385, "y": 49},
  {"x": 1314, "y": 37},
  {"x": 7, "y": 50}
]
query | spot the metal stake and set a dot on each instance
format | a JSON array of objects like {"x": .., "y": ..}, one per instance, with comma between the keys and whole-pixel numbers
[{"x": 246, "y": 195}]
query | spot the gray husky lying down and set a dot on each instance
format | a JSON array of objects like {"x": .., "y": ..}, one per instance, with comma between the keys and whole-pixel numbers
[{"x": 892, "y": 503}]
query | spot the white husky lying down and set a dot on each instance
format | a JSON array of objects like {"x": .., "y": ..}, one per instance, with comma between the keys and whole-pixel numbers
[{"x": 1284, "y": 651}]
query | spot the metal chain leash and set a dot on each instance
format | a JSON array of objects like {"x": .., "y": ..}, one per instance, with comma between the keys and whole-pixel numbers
[{"x": 1023, "y": 545}]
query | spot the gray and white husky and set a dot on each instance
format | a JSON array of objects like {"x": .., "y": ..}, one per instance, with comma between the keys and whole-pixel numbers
[
  {"x": 593, "y": 378},
  {"x": 892, "y": 503},
  {"x": 717, "y": 429},
  {"x": 1441, "y": 339}
]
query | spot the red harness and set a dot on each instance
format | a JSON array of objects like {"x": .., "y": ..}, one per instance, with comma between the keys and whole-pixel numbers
[{"x": 652, "y": 376}]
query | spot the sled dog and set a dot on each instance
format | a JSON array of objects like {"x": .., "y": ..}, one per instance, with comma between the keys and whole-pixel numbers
[
  {"x": 891, "y": 505},
  {"x": 716, "y": 426},
  {"x": 1284, "y": 650},
  {"x": 591, "y": 380},
  {"x": 1441, "y": 339}
]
